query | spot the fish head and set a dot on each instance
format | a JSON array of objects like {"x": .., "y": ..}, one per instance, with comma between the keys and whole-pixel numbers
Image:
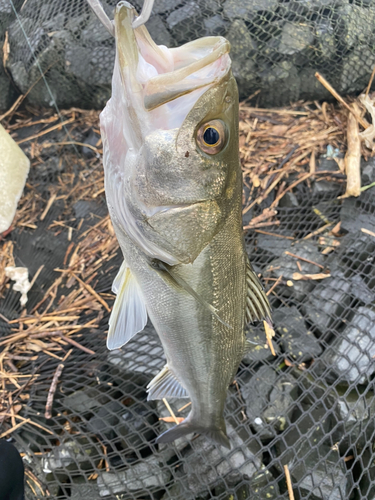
[{"x": 170, "y": 141}]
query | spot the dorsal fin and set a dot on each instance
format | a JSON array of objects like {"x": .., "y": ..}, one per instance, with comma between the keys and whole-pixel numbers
[
  {"x": 257, "y": 304},
  {"x": 129, "y": 315}
]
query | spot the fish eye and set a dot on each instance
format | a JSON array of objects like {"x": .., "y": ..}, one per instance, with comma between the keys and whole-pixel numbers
[{"x": 211, "y": 137}]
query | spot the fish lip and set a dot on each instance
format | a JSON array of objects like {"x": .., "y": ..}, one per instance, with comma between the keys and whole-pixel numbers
[{"x": 175, "y": 66}]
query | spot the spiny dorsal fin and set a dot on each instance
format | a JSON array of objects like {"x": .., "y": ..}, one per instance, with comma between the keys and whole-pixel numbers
[
  {"x": 129, "y": 315},
  {"x": 165, "y": 385},
  {"x": 257, "y": 304}
]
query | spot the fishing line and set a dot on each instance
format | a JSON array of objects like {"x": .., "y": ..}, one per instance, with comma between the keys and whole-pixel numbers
[{"x": 43, "y": 77}]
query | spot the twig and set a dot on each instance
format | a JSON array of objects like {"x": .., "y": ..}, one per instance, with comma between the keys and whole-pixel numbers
[
  {"x": 367, "y": 231},
  {"x": 183, "y": 407},
  {"x": 92, "y": 291},
  {"x": 9, "y": 431},
  {"x": 48, "y": 206},
  {"x": 170, "y": 411},
  {"x": 318, "y": 276},
  {"x": 274, "y": 234},
  {"x": 270, "y": 332},
  {"x": 370, "y": 82},
  {"x": 303, "y": 259},
  {"x": 318, "y": 231},
  {"x": 36, "y": 276},
  {"x": 329, "y": 87},
  {"x": 52, "y": 389},
  {"x": 47, "y": 131},
  {"x": 289, "y": 483},
  {"x": 78, "y": 345},
  {"x": 274, "y": 285}
]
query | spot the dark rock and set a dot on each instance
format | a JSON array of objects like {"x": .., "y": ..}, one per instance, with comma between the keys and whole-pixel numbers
[
  {"x": 243, "y": 49},
  {"x": 182, "y": 22},
  {"x": 161, "y": 7},
  {"x": 330, "y": 301},
  {"x": 146, "y": 474},
  {"x": 208, "y": 463},
  {"x": 368, "y": 171},
  {"x": 350, "y": 356},
  {"x": 257, "y": 348},
  {"x": 367, "y": 482},
  {"x": 281, "y": 79},
  {"x": 281, "y": 403},
  {"x": 137, "y": 426},
  {"x": 297, "y": 341},
  {"x": 357, "y": 213},
  {"x": 256, "y": 394},
  {"x": 80, "y": 454},
  {"x": 286, "y": 266},
  {"x": 145, "y": 356},
  {"x": 325, "y": 42},
  {"x": 272, "y": 247},
  {"x": 5, "y": 91},
  {"x": 294, "y": 38},
  {"x": 362, "y": 58},
  {"x": 246, "y": 9},
  {"x": 354, "y": 415},
  {"x": 81, "y": 489},
  {"x": 85, "y": 400},
  {"x": 92, "y": 139},
  {"x": 262, "y": 487},
  {"x": 159, "y": 32},
  {"x": 356, "y": 23},
  {"x": 289, "y": 200},
  {"x": 107, "y": 419},
  {"x": 215, "y": 26}
]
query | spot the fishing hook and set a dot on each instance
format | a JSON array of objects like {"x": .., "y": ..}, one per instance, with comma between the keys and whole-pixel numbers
[{"x": 104, "y": 19}]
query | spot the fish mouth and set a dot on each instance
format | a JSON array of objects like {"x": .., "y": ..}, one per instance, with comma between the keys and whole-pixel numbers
[{"x": 162, "y": 75}]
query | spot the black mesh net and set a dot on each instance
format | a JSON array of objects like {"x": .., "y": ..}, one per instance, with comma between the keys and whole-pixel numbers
[
  {"x": 277, "y": 46},
  {"x": 310, "y": 406}
]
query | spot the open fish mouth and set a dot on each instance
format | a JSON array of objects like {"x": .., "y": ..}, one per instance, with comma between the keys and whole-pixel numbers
[{"x": 156, "y": 75}]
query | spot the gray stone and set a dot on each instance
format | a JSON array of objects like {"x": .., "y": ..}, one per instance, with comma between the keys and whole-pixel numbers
[
  {"x": 329, "y": 300},
  {"x": 107, "y": 419},
  {"x": 85, "y": 400},
  {"x": 257, "y": 348},
  {"x": 145, "y": 356},
  {"x": 247, "y": 9},
  {"x": 286, "y": 266},
  {"x": 159, "y": 32},
  {"x": 271, "y": 247},
  {"x": 367, "y": 171},
  {"x": 280, "y": 82},
  {"x": 354, "y": 419},
  {"x": 145, "y": 474},
  {"x": 160, "y": 7},
  {"x": 262, "y": 487},
  {"x": 356, "y": 68},
  {"x": 350, "y": 357},
  {"x": 297, "y": 341},
  {"x": 243, "y": 49},
  {"x": 357, "y": 23},
  {"x": 281, "y": 403},
  {"x": 76, "y": 455},
  {"x": 367, "y": 482},
  {"x": 6, "y": 91},
  {"x": 289, "y": 200},
  {"x": 182, "y": 21},
  {"x": 325, "y": 43},
  {"x": 215, "y": 26},
  {"x": 208, "y": 463},
  {"x": 162, "y": 411},
  {"x": 294, "y": 38},
  {"x": 136, "y": 427},
  {"x": 81, "y": 489},
  {"x": 256, "y": 396}
]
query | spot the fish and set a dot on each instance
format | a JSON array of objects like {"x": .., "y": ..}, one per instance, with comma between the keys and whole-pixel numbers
[{"x": 173, "y": 186}]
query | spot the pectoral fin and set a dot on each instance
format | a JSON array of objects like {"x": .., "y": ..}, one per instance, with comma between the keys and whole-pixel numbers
[
  {"x": 257, "y": 304},
  {"x": 165, "y": 385},
  {"x": 129, "y": 315}
]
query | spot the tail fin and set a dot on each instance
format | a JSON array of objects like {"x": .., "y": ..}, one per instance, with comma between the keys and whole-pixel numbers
[{"x": 216, "y": 434}]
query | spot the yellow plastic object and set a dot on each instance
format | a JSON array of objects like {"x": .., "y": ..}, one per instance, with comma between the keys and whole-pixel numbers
[{"x": 14, "y": 168}]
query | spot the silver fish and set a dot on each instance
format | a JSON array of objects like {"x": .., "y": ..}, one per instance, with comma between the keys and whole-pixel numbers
[{"x": 174, "y": 187}]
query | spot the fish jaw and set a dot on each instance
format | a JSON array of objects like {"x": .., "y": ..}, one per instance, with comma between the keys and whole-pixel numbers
[{"x": 153, "y": 91}]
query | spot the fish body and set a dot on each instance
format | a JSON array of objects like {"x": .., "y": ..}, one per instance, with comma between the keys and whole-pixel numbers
[{"x": 174, "y": 191}]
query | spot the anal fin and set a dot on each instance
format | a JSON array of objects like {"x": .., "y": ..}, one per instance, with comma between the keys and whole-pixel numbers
[{"x": 165, "y": 385}]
